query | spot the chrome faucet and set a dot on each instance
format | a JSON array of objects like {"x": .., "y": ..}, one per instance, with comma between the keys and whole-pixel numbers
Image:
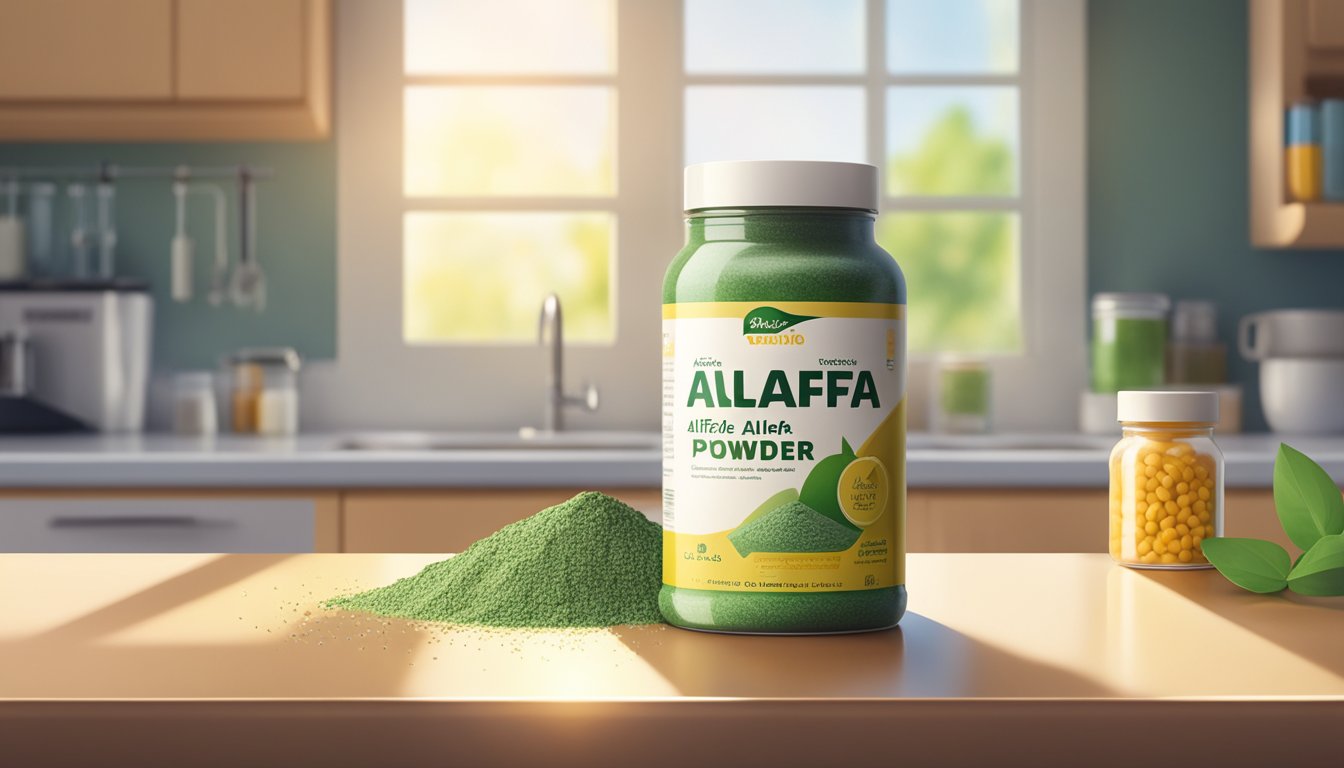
[{"x": 551, "y": 332}]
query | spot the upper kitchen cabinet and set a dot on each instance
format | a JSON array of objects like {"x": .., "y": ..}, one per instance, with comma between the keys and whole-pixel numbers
[
  {"x": 194, "y": 70},
  {"x": 1296, "y": 54}
]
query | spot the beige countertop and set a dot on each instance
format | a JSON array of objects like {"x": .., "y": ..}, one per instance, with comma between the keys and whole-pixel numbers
[{"x": 1042, "y": 653}]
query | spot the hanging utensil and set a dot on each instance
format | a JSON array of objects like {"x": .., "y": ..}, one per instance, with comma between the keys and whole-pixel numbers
[
  {"x": 183, "y": 249},
  {"x": 107, "y": 229},
  {"x": 219, "y": 278},
  {"x": 248, "y": 286}
]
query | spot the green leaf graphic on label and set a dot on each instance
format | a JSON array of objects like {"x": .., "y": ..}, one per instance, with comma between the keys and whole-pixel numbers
[
  {"x": 1307, "y": 500},
  {"x": 1321, "y": 569},
  {"x": 770, "y": 320},
  {"x": 820, "y": 488},
  {"x": 1259, "y": 566}
]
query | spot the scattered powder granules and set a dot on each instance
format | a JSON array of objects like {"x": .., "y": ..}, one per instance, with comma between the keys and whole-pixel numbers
[
  {"x": 792, "y": 527},
  {"x": 592, "y": 561}
]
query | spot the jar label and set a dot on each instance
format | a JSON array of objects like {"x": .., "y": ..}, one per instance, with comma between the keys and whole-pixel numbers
[{"x": 783, "y": 446}]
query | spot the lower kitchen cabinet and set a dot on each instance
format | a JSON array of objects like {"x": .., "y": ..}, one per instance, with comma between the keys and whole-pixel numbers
[
  {"x": 449, "y": 521},
  {"x": 163, "y": 521},
  {"x": 1048, "y": 519}
]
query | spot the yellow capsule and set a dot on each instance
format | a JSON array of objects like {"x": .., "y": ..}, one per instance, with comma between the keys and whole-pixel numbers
[
  {"x": 1159, "y": 546},
  {"x": 1170, "y": 559},
  {"x": 1185, "y": 556},
  {"x": 1182, "y": 487},
  {"x": 1150, "y": 472},
  {"x": 1150, "y": 558},
  {"x": 1182, "y": 529},
  {"x": 1203, "y": 494},
  {"x": 1201, "y": 473},
  {"x": 1151, "y": 498},
  {"x": 1152, "y": 459},
  {"x": 1153, "y": 511},
  {"x": 1167, "y": 482},
  {"x": 1172, "y": 508},
  {"x": 1199, "y": 507},
  {"x": 1205, "y": 517},
  {"x": 1197, "y": 541},
  {"x": 1163, "y": 494},
  {"x": 1145, "y": 547},
  {"x": 1150, "y": 528},
  {"x": 1167, "y": 523},
  {"x": 1150, "y": 485},
  {"x": 1168, "y": 535},
  {"x": 1188, "y": 474},
  {"x": 1187, "y": 541},
  {"x": 1183, "y": 500}
]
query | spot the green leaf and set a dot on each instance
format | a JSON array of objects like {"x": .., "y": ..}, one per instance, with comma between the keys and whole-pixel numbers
[
  {"x": 1321, "y": 569},
  {"x": 1252, "y": 564},
  {"x": 1307, "y": 500},
  {"x": 844, "y": 447}
]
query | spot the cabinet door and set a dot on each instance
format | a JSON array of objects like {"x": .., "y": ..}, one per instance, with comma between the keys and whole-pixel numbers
[
  {"x": 1008, "y": 520},
  {"x": 86, "y": 49},
  {"x": 449, "y": 521},
  {"x": 153, "y": 521},
  {"x": 241, "y": 49}
]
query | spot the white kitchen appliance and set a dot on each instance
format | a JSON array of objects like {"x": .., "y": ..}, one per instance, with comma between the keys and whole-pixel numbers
[{"x": 90, "y": 350}]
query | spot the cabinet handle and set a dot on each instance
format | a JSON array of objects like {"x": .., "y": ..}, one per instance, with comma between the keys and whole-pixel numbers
[{"x": 127, "y": 521}]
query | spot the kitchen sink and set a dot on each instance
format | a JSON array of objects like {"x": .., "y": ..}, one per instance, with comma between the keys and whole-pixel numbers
[{"x": 523, "y": 440}]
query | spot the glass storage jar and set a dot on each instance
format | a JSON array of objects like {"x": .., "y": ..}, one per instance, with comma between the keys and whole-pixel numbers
[
  {"x": 1166, "y": 480},
  {"x": 1129, "y": 341}
]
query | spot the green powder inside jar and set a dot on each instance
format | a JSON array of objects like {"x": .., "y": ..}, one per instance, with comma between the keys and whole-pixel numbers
[{"x": 592, "y": 561}]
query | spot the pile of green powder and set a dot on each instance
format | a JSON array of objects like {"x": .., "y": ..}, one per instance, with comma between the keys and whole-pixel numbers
[
  {"x": 592, "y": 561},
  {"x": 792, "y": 527}
]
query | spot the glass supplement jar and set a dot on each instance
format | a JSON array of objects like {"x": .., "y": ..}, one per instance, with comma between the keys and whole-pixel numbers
[
  {"x": 1129, "y": 341},
  {"x": 1166, "y": 480},
  {"x": 784, "y": 381}
]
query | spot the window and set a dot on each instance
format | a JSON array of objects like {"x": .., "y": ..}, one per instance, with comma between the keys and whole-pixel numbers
[
  {"x": 491, "y": 152},
  {"x": 509, "y": 124},
  {"x": 929, "y": 92}
]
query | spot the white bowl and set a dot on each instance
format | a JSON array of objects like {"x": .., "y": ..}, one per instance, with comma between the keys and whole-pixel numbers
[{"x": 1303, "y": 395}]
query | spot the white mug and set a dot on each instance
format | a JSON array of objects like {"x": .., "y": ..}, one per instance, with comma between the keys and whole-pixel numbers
[{"x": 1299, "y": 333}]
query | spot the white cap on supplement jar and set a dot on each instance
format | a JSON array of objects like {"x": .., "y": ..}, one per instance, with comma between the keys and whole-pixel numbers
[
  {"x": 1165, "y": 406},
  {"x": 786, "y": 183}
]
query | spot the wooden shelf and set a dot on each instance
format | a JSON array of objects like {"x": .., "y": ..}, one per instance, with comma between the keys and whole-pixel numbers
[{"x": 1290, "y": 59}]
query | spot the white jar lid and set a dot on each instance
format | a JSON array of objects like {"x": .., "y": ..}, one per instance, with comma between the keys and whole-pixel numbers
[
  {"x": 1167, "y": 406},
  {"x": 1137, "y": 305},
  {"x": 788, "y": 183}
]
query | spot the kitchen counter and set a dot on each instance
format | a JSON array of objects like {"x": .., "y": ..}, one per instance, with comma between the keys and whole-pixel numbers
[
  {"x": 324, "y": 461},
  {"x": 1057, "y": 659}
]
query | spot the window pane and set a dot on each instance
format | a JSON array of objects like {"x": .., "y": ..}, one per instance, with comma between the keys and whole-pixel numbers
[
  {"x": 510, "y": 36},
  {"x": 774, "y": 36},
  {"x": 952, "y": 36},
  {"x": 962, "y": 273},
  {"x": 510, "y": 140},
  {"x": 774, "y": 123},
  {"x": 953, "y": 140},
  {"x": 481, "y": 277}
]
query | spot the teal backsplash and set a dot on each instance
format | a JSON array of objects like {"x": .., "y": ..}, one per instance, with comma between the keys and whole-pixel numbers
[
  {"x": 296, "y": 243},
  {"x": 1167, "y": 170}
]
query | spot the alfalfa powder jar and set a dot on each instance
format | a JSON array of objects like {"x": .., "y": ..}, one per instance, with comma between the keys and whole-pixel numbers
[{"x": 1166, "y": 480}]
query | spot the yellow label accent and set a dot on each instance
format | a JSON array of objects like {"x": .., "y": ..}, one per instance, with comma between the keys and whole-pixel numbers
[
  {"x": 863, "y": 491},
  {"x": 738, "y": 309}
]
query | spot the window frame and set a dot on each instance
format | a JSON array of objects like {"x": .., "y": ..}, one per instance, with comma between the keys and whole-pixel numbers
[{"x": 1035, "y": 390}]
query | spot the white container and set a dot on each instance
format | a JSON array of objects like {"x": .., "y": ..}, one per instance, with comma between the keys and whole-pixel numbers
[
  {"x": 195, "y": 409},
  {"x": 1292, "y": 333},
  {"x": 1303, "y": 395}
]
